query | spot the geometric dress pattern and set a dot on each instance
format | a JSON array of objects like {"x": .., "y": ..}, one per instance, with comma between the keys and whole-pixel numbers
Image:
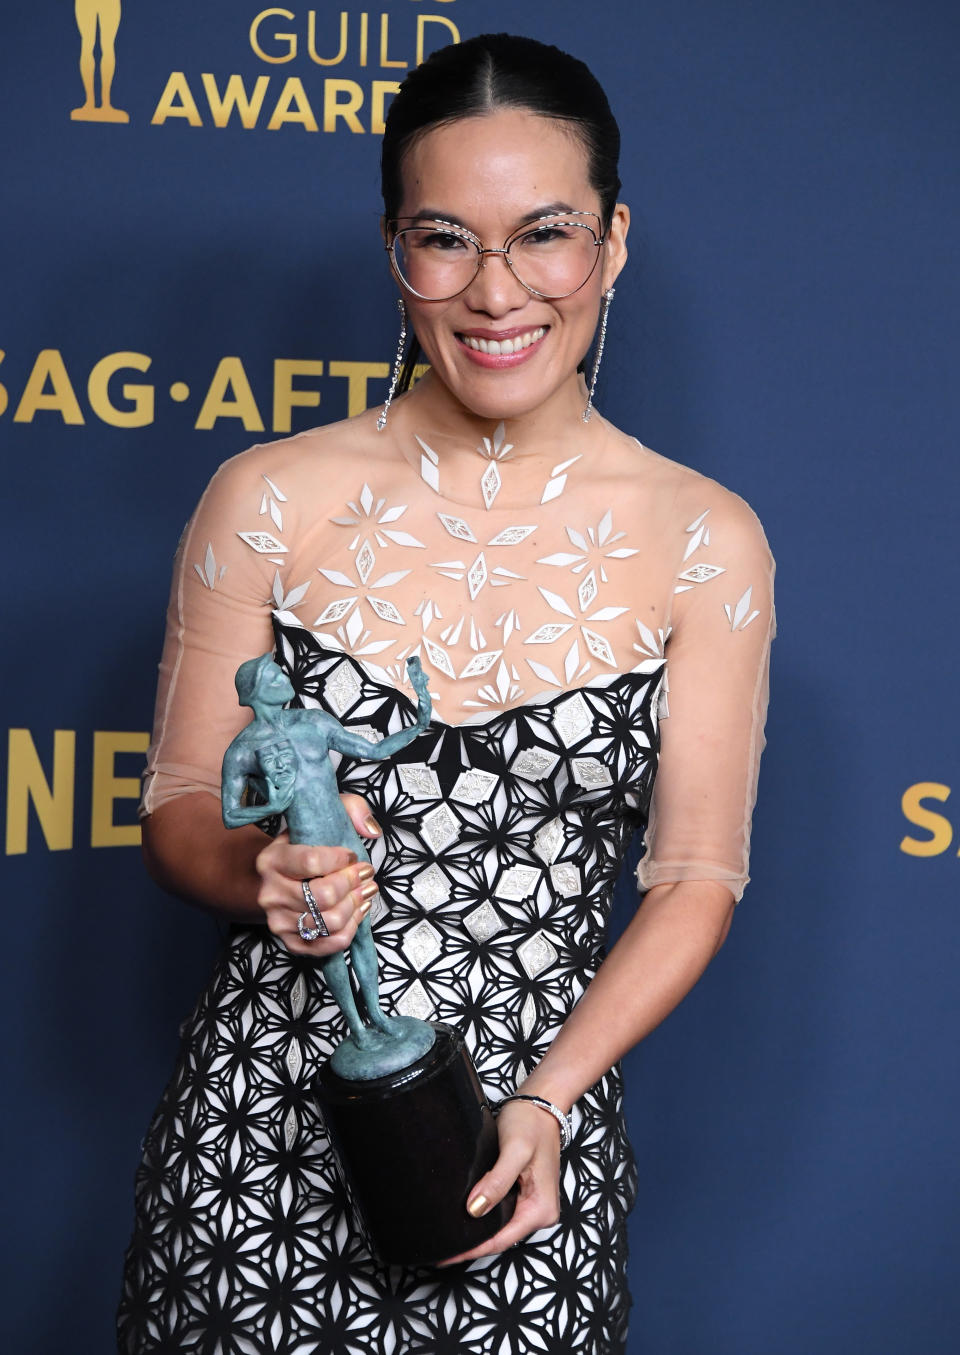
[{"x": 502, "y": 841}]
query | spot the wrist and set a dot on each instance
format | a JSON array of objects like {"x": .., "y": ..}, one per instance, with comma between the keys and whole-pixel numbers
[
  {"x": 562, "y": 1118},
  {"x": 539, "y": 1083}
]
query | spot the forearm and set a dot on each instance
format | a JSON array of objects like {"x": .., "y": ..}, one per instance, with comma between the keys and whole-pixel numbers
[
  {"x": 190, "y": 853},
  {"x": 658, "y": 959}
]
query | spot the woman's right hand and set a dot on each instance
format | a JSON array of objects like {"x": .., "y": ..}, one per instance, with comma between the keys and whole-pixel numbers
[{"x": 342, "y": 886}]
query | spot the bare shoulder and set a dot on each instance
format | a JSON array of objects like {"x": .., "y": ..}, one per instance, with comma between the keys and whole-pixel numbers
[
  {"x": 677, "y": 490},
  {"x": 317, "y": 456}
]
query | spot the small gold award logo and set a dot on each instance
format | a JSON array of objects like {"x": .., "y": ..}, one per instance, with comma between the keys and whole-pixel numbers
[{"x": 91, "y": 15}]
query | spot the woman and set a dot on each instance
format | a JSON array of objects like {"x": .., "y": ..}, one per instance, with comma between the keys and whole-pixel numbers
[{"x": 545, "y": 566}]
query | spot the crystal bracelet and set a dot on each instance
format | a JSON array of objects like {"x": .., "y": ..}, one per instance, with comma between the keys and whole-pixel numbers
[{"x": 564, "y": 1121}]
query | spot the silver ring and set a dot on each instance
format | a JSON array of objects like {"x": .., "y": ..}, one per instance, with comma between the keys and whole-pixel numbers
[
  {"x": 310, "y": 901},
  {"x": 307, "y": 933}
]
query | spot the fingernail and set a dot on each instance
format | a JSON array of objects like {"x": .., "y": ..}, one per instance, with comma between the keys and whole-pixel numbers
[
  {"x": 478, "y": 1205},
  {"x": 365, "y": 872},
  {"x": 364, "y": 909},
  {"x": 369, "y": 889},
  {"x": 372, "y": 827}
]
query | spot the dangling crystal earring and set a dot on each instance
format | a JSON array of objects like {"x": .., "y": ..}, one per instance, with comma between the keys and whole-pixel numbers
[
  {"x": 607, "y": 298},
  {"x": 397, "y": 364}
]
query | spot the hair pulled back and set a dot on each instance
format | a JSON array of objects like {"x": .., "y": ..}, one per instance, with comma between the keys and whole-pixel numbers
[
  {"x": 490, "y": 72},
  {"x": 493, "y": 71}
]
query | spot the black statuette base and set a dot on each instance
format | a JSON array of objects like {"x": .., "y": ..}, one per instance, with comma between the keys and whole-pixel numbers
[{"x": 411, "y": 1146}]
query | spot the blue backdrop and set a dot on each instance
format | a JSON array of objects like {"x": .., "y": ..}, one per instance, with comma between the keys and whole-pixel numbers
[{"x": 787, "y": 324}]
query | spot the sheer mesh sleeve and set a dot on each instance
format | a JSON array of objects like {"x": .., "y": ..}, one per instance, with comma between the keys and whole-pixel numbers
[
  {"x": 717, "y": 676},
  {"x": 218, "y": 615}
]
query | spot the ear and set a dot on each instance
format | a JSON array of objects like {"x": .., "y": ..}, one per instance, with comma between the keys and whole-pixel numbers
[{"x": 615, "y": 245}]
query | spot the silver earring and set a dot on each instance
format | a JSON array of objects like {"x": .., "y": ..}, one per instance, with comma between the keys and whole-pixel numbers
[
  {"x": 607, "y": 298},
  {"x": 397, "y": 364}
]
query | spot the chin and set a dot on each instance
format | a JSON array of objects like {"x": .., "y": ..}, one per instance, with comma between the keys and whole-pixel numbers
[
  {"x": 500, "y": 407},
  {"x": 495, "y": 396}
]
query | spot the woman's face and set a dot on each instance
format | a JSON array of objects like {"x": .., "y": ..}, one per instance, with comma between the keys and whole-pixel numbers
[{"x": 493, "y": 174}]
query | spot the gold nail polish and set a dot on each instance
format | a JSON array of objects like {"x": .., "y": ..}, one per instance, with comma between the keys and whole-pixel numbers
[
  {"x": 477, "y": 1206},
  {"x": 369, "y": 889},
  {"x": 364, "y": 909},
  {"x": 372, "y": 827},
  {"x": 365, "y": 872}
]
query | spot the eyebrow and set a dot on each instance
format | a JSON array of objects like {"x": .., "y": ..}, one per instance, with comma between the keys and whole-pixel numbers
[{"x": 436, "y": 214}]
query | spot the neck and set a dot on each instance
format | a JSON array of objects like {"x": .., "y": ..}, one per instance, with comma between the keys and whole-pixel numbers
[
  {"x": 547, "y": 430},
  {"x": 528, "y": 447}
]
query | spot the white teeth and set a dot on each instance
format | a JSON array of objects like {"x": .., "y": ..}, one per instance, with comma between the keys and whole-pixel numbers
[{"x": 497, "y": 347}]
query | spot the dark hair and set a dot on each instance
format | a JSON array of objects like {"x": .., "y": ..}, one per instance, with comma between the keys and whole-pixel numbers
[{"x": 499, "y": 70}]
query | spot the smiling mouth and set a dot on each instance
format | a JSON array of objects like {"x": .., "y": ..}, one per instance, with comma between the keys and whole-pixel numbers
[{"x": 503, "y": 347}]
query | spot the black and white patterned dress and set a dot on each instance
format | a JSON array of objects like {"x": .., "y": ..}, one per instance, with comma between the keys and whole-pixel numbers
[{"x": 503, "y": 837}]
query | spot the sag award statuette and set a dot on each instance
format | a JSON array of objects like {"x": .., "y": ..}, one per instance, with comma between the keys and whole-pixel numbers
[{"x": 400, "y": 1097}]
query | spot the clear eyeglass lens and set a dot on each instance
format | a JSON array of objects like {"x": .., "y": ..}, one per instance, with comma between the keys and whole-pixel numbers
[{"x": 554, "y": 258}]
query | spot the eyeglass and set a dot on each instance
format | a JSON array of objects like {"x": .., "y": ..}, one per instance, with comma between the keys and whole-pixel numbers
[{"x": 551, "y": 257}]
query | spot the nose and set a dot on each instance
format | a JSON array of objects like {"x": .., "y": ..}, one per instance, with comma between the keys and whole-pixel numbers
[{"x": 495, "y": 290}]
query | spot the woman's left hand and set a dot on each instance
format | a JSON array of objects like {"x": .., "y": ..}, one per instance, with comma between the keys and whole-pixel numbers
[{"x": 530, "y": 1155}]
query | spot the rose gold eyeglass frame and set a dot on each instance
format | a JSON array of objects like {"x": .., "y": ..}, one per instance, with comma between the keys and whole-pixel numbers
[{"x": 462, "y": 233}]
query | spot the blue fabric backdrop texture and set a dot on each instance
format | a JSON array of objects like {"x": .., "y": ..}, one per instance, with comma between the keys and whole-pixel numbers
[{"x": 194, "y": 265}]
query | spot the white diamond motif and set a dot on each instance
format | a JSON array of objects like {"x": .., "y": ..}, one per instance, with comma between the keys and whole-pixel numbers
[
  {"x": 546, "y": 634},
  {"x": 263, "y": 543},
  {"x": 490, "y": 483},
  {"x": 572, "y": 720},
  {"x": 298, "y": 996},
  {"x": 385, "y": 610},
  {"x": 422, "y": 944},
  {"x": 511, "y": 536},
  {"x": 598, "y": 647},
  {"x": 537, "y": 954},
  {"x": 457, "y": 527},
  {"x": 474, "y": 787},
  {"x": 565, "y": 878},
  {"x": 483, "y": 922},
  {"x": 365, "y": 561},
  {"x": 477, "y": 576},
  {"x": 294, "y": 1059},
  {"x": 587, "y": 591},
  {"x": 701, "y": 573},
  {"x": 589, "y": 773},
  {"x": 342, "y": 687},
  {"x": 533, "y": 764},
  {"x": 335, "y": 611},
  {"x": 528, "y": 1015},
  {"x": 419, "y": 780},
  {"x": 548, "y": 842},
  {"x": 290, "y": 1129},
  {"x": 440, "y": 828},
  {"x": 431, "y": 887},
  {"x": 481, "y": 663},
  {"x": 517, "y": 883},
  {"x": 416, "y": 1002},
  {"x": 439, "y": 657}
]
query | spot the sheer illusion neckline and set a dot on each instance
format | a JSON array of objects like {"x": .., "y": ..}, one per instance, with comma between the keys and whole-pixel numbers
[{"x": 494, "y": 475}]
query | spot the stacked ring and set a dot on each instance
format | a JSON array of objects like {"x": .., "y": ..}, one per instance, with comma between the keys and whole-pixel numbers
[
  {"x": 319, "y": 927},
  {"x": 307, "y": 933}
]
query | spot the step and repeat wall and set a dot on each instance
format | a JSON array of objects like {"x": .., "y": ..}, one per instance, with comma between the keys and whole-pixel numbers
[{"x": 191, "y": 263}]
